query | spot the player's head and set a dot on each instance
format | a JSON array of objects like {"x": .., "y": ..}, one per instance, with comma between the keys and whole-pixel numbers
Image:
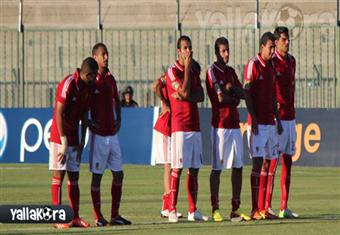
[
  {"x": 222, "y": 50},
  {"x": 281, "y": 34},
  {"x": 267, "y": 45},
  {"x": 88, "y": 70},
  {"x": 184, "y": 48},
  {"x": 101, "y": 55}
]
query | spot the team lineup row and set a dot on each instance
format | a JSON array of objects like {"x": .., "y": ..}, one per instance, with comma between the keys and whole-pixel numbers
[{"x": 268, "y": 90}]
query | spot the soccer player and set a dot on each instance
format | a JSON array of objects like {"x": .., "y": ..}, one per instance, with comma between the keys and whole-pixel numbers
[
  {"x": 260, "y": 96},
  {"x": 185, "y": 91},
  {"x": 71, "y": 106},
  {"x": 105, "y": 149},
  {"x": 285, "y": 65},
  {"x": 162, "y": 133},
  {"x": 225, "y": 91}
]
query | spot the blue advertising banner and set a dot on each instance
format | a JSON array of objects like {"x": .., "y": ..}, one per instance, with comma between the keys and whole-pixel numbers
[{"x": 24, "y": 135}]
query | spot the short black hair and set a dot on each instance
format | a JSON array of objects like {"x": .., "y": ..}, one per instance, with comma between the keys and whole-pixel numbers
[
  {"x": 182, "y": 38},
  {"x": 220, "y": 41},
  {"x": 279, "y": 30},
  {"x": 267, "y": 36},
  {"x": 97, "y": 46},
  {"x": 89, "y": 65}
]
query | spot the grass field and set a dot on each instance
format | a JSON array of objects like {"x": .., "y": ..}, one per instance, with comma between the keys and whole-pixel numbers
[{"x": 315, "y": 195}]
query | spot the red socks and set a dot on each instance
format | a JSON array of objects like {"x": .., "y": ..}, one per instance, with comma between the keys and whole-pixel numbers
[
  {"x": 116, "y": 193},
  {"x": 192, "y": 188},
  {"x": 262, "y": 190},
  {"x": 56, "y": 190},
  {"x": 270, "y": 182},
  {"x": 165, "y": 200},
  {"x": 285, "y": 179},
  {"x": 174, "y": 186},
  {"x": 95, "y": 194},
  {"x": 73, "y": 196}
]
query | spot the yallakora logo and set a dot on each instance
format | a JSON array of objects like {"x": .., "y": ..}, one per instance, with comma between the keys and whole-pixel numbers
[{"x": 38, "y": 214}]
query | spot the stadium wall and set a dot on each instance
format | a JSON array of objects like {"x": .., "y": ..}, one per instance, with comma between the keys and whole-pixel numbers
[{"x": 24, "y": 135}]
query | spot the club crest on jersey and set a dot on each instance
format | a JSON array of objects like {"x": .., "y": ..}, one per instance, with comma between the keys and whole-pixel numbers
[
  {"x": 260, "y": 78},
  {"x": 96, "y": 91},
  {"x": 278, "y": 74},
  {"x": 175, "y": 85}
]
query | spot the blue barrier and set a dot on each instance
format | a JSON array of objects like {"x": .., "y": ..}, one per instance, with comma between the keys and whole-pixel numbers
[{"x": 24, "y": 135}]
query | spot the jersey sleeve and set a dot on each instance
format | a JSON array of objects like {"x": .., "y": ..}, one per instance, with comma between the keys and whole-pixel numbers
[
  {"x": 211, "y": 82},
  {"x": 172, "y": 79},
  {"x": 249, "y": 76},
  {"x": 63, "y": 90}
]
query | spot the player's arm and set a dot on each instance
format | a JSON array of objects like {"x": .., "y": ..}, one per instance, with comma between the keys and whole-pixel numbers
[
  {"x": 157, "y": 89},
  {"x": 197, "y": 95},
  {"x": 248, "y": 86},
  {"x": 184, "y": 90},
  {"x": 60, "y": 109},
  {"x": 277, "y": 116},
  {"x": 118, "y": 111}
]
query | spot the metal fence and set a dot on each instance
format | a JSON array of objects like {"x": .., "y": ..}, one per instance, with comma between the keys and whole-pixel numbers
[{"x": 33, "y": 62}]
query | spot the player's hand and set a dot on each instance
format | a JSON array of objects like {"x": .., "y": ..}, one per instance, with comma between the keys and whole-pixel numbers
[
  {"x": 187, "y": 60},
  {"x": 228, "y": 87},
  {"x": 254, "y": 127},
  {"x": 279, "y": 127},
  {"x": 176, "y": 96},
  {"x": 63, "y": 149},
  {"x": 79, "y": 150},
  {"x": 117, "y": 125}
]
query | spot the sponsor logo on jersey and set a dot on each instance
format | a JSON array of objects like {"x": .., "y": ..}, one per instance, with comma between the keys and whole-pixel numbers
[
  {"x": 3, "y": 134},
  {"x": 175, "y": 85}
]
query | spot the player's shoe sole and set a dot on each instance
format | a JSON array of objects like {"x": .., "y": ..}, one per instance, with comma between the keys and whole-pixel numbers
[{"x": 119, "y": 220}]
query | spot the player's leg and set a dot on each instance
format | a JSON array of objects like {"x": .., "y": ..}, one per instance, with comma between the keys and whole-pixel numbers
[
  {"x": 115, "y": 164},
  {"x": 58, "y": 173},
  {"x": 192, "y": 188},
  {"x": 98, "y": 157},
  {"x": 177, "y": 142},
  {"x": 268, "y": 174},
  {"x": 235, "y": 160},
  {"x": 285, "y": 180},
  {"x": 217, "y": 142},
  {"x": 193, "y": 161},
  {"x": 116, "y": 194},
  {"x": 166, "y": 190},
  {"x": 287, "y": 161},
  {"x": 174, "y": 189},
  {"x": 56, "y": 186},
  {"x": 270, "y": 184},
  {"x": 100, "y": 221},
  {"x": 214, "y": 192},
  {"x": 58, "y": 169},
  {"x": 256, "y": 150},
  {"x": 263, "y": 186}
]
